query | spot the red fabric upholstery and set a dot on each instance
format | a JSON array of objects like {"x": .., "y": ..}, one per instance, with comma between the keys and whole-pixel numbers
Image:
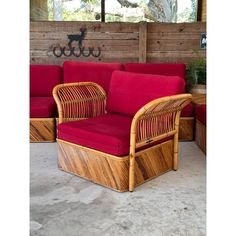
[
  {"x": 43, "y": 78},
  {"x": 157, "y": 68},
  {"x": 201, "y": 113},
  {"x": 187, "y": 111},
  {"x": 130, "y": 91},
  {"x": 97, "y": 72},
  {"x": 42, "y": 107},
  {"x": 109, "y": 133},
  {"x": 162, "y": 69}
]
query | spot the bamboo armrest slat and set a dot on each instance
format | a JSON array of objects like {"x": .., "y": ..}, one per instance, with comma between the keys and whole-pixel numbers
[{"x": 79, "y": 100}]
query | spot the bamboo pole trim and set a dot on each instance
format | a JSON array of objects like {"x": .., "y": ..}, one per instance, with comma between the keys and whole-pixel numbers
[
  {"x": 154, "y": 139},
  {"x": 42, "y": 119}
]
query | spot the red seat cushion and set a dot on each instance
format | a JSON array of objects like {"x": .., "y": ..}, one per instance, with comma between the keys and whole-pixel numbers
[
  {"x": 42, "y": 107},
  {"x": 130, "y": 91},
  {"x": 43, "y": 78},
  {"x": 201, "y": 113},
  {"x": 97, "y": 72},
  {"x": 157, "y": 68},
  {"x": 109, "y": 133}
]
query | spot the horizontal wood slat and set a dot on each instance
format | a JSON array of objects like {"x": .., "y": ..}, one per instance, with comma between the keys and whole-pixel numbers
[
  {"x": 91, "y": 26},
  {"x": 176, "y": 27}
]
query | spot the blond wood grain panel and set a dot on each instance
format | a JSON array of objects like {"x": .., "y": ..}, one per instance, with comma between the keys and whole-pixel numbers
[
  {"x": 42, "y": 130},
  {"x": 113, "y": 172},
  {"x": 186, "y": 129},
  {"x": 153, "y": 162},
  {"x": 200, "y": 135}
]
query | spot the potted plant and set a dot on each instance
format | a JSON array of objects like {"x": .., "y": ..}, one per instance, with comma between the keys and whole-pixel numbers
[{"x": 196, "y": 74}]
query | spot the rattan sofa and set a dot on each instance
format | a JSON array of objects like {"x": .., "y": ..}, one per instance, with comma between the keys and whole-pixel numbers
[
  {"x": 43, "y": 109},
  {"x": 43, "y": 117},
  {"x": 122, "y": 138}
]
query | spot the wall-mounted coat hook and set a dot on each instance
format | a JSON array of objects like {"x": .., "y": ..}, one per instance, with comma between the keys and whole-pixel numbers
[{"x": 68, "y": 50}]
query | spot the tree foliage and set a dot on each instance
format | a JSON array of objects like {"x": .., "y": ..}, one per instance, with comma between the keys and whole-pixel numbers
[
  {"x": 189, "y": 14},
  {"x": 153, "y": 10}
]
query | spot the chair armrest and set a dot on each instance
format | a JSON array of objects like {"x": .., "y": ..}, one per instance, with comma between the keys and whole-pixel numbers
[
  {"x": 158, "y": 119},
  {"x": 79, "y": 100}
]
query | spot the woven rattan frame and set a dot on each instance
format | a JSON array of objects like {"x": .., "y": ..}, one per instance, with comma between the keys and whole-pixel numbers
[
  {"x": 156, "y": 120},
  {"x": 79, "y": 100}
]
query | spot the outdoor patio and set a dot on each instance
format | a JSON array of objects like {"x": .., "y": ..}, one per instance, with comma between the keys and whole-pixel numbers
[{"x": 66, "y": 205}]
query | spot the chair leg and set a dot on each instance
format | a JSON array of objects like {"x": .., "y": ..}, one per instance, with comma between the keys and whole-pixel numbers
[
  {"x": 176, "y": 150},
  {"x": 131, "y": 173}
]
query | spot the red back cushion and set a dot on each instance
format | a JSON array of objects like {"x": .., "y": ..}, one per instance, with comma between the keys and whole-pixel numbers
[
  {"x": 130, "y": 91},
  {"x": 43, "y": 78},
  {"x": 157, "y": 69},
  {"x": 97, "y": 72}
]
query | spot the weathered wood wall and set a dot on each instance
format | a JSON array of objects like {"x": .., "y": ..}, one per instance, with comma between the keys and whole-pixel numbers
[
  {"x": 119, "y": 42},
  {"x": 168, "y": 42}
]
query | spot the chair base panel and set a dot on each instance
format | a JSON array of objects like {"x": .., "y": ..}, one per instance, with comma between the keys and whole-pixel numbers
[
  {"x": 111, "y": 171},
  {"x": 200, "y": 135},
  {"x": 186, "y": 129},
  {"x": 42, "y": 130}
]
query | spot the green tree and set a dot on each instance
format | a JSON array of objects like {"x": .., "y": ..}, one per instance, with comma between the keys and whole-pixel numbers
[{"x": 189, "y": 14}]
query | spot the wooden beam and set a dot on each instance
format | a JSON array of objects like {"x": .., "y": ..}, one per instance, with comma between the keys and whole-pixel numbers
[
  {"x": 199, "y": 10},
  {"x": 103, "y": 10},
  {"x": 142, "y": 42}
]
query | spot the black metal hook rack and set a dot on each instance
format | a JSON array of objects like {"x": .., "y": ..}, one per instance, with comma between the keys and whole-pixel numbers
[{"x": 68, "y": 50}]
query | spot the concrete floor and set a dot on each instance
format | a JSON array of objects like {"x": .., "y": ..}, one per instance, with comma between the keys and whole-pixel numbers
[{"x": 173, "y": 204}]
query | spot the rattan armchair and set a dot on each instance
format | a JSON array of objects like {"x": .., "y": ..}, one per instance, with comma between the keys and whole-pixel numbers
[{"x": 153, "y": 138}]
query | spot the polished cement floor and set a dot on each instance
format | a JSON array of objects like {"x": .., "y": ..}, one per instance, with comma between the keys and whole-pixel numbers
[{"x": 61, "y": 204}]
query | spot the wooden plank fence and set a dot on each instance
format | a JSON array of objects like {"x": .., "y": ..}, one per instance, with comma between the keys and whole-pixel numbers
[{"x": 119, "y": 42}]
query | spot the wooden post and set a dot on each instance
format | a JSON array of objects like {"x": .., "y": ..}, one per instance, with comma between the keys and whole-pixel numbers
[
  {"x": 132, "y": 154},
  {"x": 103, "y": 10},
  {"x": 176, "y": 140},
  {"x": 142, "y": 42},
  {"x": 199, "y": 10}
]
